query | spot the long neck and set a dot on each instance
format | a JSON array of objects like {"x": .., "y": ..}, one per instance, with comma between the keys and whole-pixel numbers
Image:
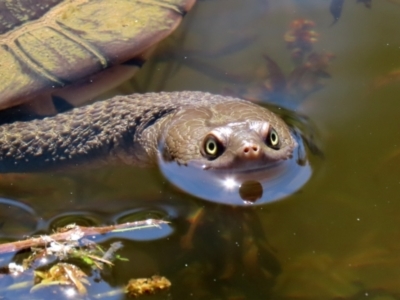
[{"x": 104, "y": 131}]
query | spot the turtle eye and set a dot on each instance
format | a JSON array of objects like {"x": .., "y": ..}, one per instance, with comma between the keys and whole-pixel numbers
[
  {"x": 273, "y": 139},
  {"x": 212, "y": 147}
]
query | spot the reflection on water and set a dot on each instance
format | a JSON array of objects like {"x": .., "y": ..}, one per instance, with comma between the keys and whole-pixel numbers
[
  {"x": 336, "y": 238},
  {"x": 233, "y": 187},
  {"x": 17, "y": 217}
]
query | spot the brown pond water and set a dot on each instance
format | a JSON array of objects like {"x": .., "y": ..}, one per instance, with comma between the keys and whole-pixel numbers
[{"x": 336, "y": 238}]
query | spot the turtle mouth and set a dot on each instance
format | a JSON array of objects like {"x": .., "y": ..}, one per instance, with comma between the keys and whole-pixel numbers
[{"x": 243, "y": 168}]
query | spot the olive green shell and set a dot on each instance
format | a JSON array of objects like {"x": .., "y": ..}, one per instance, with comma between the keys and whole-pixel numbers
[{"x": 46, "y": 44}]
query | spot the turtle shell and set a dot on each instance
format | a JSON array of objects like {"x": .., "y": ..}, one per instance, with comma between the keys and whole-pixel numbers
[{"x": 49, "y": 44}]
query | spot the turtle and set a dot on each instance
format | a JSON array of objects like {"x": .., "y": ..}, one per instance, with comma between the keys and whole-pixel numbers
[{"x": 53, "y": 46}]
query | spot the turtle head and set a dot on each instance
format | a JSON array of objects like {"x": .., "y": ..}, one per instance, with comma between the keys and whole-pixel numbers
[
  {"x": 232, "y": 152},
  {"x": 227, "y": 136}
]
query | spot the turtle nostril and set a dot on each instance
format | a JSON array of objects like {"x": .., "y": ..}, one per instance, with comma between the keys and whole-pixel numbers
[{"x": 251, "y": 148}]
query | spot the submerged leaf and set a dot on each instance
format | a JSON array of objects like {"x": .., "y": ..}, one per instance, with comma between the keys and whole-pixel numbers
[
  {"x": 306, "y": 79},
  {"x": 335, "y": 9},
  {"x": 276, "y": 81},
  {"x": 389, "y": 78},
  {"x": 146, "y": 286},
  {"x": 61, "y": 274},
  {"x": 300, "y": 39}
]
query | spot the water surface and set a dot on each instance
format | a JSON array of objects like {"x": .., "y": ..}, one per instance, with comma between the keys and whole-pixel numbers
[{"x": 337, "y": 237}]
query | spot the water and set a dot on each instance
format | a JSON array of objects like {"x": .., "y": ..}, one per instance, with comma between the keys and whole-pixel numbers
[{"x": 337, "y": 237}]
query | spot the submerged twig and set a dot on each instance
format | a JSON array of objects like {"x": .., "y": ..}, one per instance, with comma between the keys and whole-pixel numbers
[{"x": 75, "y": 232}]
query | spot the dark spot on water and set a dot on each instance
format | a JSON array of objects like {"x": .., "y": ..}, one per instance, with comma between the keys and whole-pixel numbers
[{"x": 251, "y": 191}]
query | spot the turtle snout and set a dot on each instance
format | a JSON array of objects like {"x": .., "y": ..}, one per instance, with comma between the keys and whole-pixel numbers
[{"x": 251, "y": 151}]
